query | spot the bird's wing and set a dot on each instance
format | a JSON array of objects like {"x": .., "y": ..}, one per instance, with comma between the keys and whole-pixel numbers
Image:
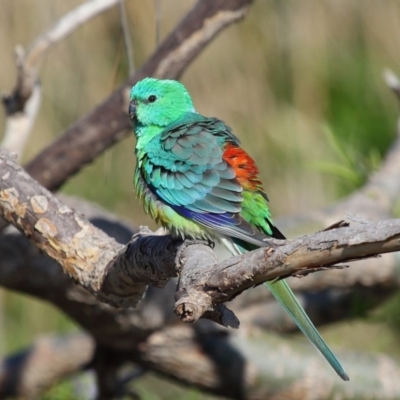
[{"x": 185, "y": 168}]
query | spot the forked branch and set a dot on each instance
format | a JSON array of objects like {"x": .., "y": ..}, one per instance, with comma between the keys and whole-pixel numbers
[{"x": 119, "y": 275}]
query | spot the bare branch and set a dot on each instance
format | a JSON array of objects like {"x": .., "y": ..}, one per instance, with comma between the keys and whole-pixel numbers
[
  {"x": 127, "y": 38},
  {"x": 19, "y": 125},
  {"x": 199, "y": 357},
  {"x": 81, "y": 249},
  {"x": 191, "y": 354},
  {"x": 48, "y": 360},
  {"x": 29, "y": 63},
  {"x": 23, "y": 104},
  {"x": 119, "y": 275}
]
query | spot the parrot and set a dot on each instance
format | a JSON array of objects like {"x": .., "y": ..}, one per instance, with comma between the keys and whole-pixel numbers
[{"x": 193, "y": 177}]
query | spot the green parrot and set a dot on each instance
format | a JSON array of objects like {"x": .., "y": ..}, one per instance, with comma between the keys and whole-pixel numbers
[{"x": 194, "y": 178}]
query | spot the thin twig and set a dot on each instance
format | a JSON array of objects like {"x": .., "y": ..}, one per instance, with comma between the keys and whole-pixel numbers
[{"x": 127, "y": 37}]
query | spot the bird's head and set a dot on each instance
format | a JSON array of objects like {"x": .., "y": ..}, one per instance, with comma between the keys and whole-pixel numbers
[{"x": 155, "y": 102}]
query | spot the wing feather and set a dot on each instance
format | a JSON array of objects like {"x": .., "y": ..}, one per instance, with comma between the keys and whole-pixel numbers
[{"x": 185, "y": 169}]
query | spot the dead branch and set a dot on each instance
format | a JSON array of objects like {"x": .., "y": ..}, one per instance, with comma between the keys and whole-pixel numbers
[
  {"x": 126, "y": 329},
  {"x": 198, "y": 357},
  {"x": 24, "y": 268},
  {"x": 119, "y": 275},
  {"x": 19, "y": 125},
  {"x": 49, "y": 359},
  {"x": 23, "y": 103},
  {"x": 29, "y": 63}
]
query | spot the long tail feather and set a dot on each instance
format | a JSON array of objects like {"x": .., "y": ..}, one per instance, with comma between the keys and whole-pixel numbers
[{"x": 285, "y": 296}]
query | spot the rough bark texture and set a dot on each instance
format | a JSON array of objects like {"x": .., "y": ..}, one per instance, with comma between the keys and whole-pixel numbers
[
  {"x": 119, "y": 274},
  {"x": 131, "y": 331}
]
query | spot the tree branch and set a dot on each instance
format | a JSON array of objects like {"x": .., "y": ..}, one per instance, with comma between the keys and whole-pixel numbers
[
  {"x": 119, "y": 274},
  {"x": 213, "y": 361},
  {"x": 22, "y": 105},
  {"x": 49, "y": 359}
]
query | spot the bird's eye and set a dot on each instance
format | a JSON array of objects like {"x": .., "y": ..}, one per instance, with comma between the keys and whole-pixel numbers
[{"x": 152, "y": 98}]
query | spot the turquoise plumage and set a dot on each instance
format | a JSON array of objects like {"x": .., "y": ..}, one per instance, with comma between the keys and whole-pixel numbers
[{"x": 194, "y": 178}]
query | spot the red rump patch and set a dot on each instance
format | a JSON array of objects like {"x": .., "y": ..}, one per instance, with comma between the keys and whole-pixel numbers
[{"x": 245, "y": 168}]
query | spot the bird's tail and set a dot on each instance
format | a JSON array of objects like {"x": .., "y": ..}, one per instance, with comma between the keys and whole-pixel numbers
[{"x": 284, "y": 295}]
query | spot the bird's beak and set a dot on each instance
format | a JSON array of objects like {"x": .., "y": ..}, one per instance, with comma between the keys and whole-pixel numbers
[{"x": 132, "y": 109}]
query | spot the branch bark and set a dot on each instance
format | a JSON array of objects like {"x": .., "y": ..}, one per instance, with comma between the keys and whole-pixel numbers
[
  {"x": 226, "y": 365},
  {"x": 119, "y": 274},
  {"x": 127, "y": 329}
]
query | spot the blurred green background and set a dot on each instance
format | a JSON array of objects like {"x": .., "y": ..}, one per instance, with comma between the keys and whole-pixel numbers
[{"x": 299, "y": 82}]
